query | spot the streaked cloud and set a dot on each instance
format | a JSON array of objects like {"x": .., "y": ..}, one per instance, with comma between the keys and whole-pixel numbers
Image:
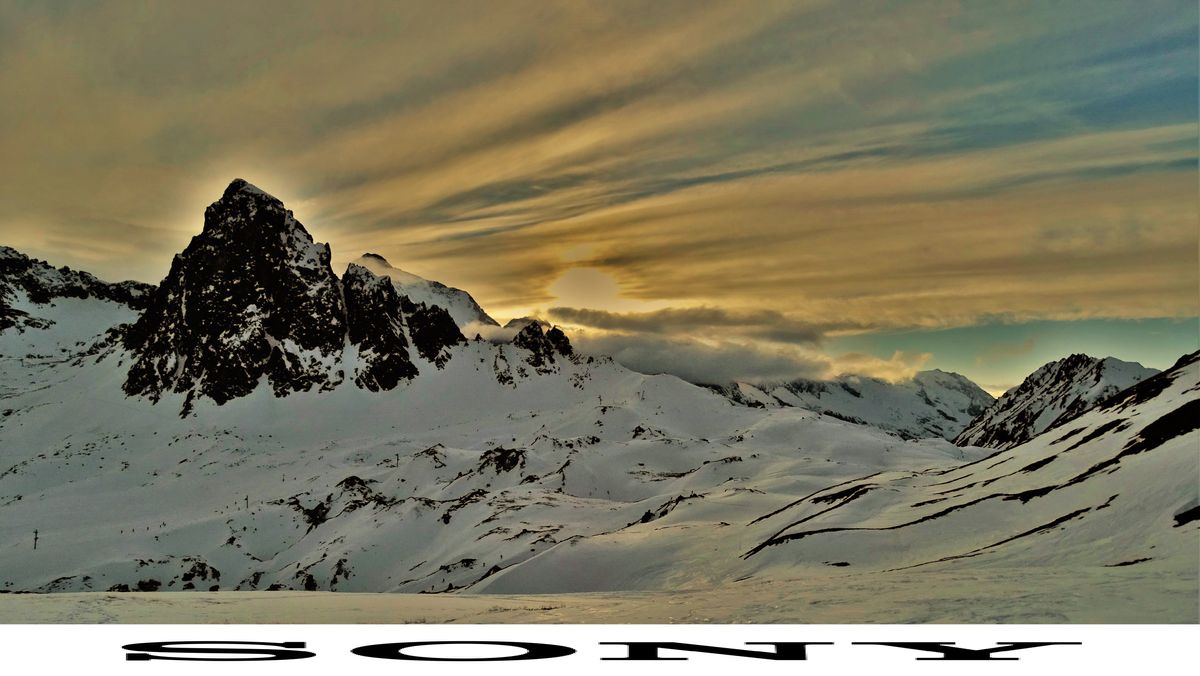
[
  {"x": 768, "y": 325},
  {"x": 725, "y": 361},
  {"x": 755, "y": 180}
]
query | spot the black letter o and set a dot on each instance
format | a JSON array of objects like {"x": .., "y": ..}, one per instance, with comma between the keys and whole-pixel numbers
[{"x": 395, "y": 651}]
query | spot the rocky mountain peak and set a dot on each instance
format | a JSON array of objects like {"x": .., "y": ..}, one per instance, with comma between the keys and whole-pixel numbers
[
  {"x": 251, "y": 297},
  {"x": 375, "y": 318},
  {"x": 431, "y": 327},
  {"x": 35, "y": 281},
  {"x": 545, "y": 347},
  {"x": 933, "y": 404},
  {"x": 1055, "y": 393},
  {"x": 461, "y": 307}
]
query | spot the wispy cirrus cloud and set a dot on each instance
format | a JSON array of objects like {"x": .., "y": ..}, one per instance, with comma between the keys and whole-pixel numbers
[
  {"x": 769, "y": 325},
  {"x": 802, "y": 168}
]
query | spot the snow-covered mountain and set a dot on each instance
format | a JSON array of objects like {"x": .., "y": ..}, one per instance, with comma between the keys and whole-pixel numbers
[
  {"x": 932, "y": 404},
  {"x": 461, "y": 306},
  {"x": 1050, "y": 397},
  {"x": 253, "y": 298},
  {"x": 481, "y": 458},
  {"x": 337, "y": 435},
  {"x": 1114, "y": 487},
  {"x": 264, "y": 423},
  {"x": 27, "y": 282}
]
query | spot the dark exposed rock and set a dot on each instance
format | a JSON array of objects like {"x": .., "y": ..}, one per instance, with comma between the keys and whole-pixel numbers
[
  {"x": 378, "y": 316},
  {"x": 310, "y": 583},
  {"x": 522, "y": 322},
  {"x": 559, "y": 341},
  {"x": 458, "y": 303},
  {"x": 1187, "y": 516},
  {"x": 433, "y": 331},
  {"x": 544, "y": 348},
  {"x": 1152, "y": 387},
  {"x": 200, "y": 570},
  {"x": 41, "y": 283},
  {"x": 502, "y": 459},
  {"x": 1050, "y": 397},
  {"x": 733, "y": 393},
  {"x": 251, "y": 296},
  {"x": 375, "y": 320}
]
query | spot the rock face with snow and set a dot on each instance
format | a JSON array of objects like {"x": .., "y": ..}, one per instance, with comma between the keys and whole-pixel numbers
[
  {"x": 434, "y": 331},
  {"x": 545, "y": 348},
  {"x": 28, "y": 280},
  {"x": 251, "y": 297},
  {"x": 1051, "y": 396},
  {"x": 1111, "y": 488},
  {"x": 375, "y": 318},
  {"x": 932, "y": 404},
  {"x": 461, "y": 306}
]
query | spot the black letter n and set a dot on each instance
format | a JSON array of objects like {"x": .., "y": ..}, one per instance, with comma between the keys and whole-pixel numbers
[{"x": 649, "y": 650}]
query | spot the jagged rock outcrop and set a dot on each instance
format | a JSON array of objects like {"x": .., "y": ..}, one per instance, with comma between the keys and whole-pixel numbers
[
  {"x": 385, "y": 324},
  {"x": 39, "y": 283},
  {"x": 458, "y": 303},
  {"x": 521, "y": 322},
  {"x": 558, "y": 340},
  {"x": 544, "y": 347},
  {"x": 375, "y": 319},
  {"x": 433, "y": 330},
  {"x": 251, "y": 297},
  {"x": 1051, "y": 396}
]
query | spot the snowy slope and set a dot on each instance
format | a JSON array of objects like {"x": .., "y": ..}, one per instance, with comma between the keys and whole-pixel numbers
[
  {"x": 356, "y": 441},
  {"x": 1116, "y": 487},
  {"x": 1050, "y": 397},
  {"x": 461, "y": 306},
  {"x": 27, "y": 284},
  {"x": 427, "y": 487},
  {"x": 933, "y": 404},
  {"x": 588, "y": 478},
  {"x": 265, "y": 424}
]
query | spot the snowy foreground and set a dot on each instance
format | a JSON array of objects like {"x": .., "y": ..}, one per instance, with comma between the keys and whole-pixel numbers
[{"x": 1126, "y": 595}]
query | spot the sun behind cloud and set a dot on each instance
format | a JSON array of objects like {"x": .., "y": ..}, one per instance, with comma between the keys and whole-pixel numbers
[{"x": 595, "y": 289}]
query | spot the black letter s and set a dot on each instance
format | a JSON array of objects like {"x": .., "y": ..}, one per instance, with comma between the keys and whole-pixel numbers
[{"x": 263, "y": 653}]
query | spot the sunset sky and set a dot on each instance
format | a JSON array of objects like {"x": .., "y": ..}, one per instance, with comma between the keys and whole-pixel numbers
[{"x": 750, "y": 189}]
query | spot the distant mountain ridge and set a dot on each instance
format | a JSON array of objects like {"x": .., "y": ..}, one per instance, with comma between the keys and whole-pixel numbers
[
  {"x": 38, "y": 282},
  {"x": 933, "y": 404},
  {"x": 1051, "y": 396}
]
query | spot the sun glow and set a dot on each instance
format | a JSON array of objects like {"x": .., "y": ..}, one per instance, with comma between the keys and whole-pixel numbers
[{"x": 593, "y": 288}]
